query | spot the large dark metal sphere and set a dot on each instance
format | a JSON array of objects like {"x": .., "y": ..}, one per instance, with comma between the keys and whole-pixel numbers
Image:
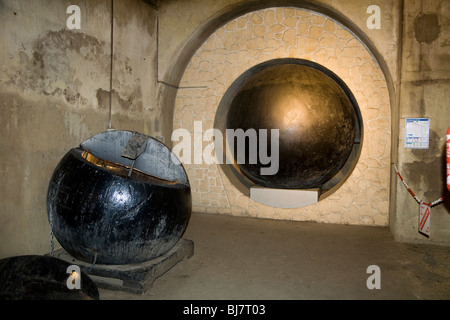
[
  {"x": 315, "y": 118},
  {"x": 99, "y": 213}
]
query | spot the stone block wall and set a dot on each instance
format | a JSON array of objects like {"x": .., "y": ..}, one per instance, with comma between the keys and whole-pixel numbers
[
  {"x": 424, "y": 92},
  {"x": 274, "y": 33}
]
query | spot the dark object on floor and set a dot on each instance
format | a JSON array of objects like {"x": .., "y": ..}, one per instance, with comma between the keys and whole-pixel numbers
[
  {"x": 34, "y": 277},
  {"x": 108, "y": 209}
]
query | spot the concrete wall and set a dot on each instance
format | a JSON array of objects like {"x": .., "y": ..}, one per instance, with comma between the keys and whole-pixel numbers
[
  {"x": 54, "y": 94},
  {"x": 55, "y": 89},
  {"x": 424, "y": 92}
]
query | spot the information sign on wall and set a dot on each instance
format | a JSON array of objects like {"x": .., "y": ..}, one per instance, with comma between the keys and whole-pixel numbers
[{"x": 417, "y": 133}]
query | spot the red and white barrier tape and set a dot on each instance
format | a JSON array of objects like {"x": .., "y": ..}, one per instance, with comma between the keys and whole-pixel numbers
[
  {"x": 448, "y": 158},
  {"x": 432, "y": 204}
]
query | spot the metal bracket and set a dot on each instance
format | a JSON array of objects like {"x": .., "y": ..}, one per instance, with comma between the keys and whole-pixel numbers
[{"x": 134, "y": 148}]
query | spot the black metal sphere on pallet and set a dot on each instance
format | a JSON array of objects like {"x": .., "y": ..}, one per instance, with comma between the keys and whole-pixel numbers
[{"x": 107, "y": 207}]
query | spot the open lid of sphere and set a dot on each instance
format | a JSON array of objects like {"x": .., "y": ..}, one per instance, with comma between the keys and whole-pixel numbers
[{"x": 139, "y": 151}]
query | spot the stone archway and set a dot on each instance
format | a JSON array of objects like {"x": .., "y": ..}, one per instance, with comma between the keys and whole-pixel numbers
[{"x": 286, "y": 32}]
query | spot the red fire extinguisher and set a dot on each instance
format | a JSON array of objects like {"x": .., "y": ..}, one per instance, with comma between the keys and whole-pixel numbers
[{"x": 448, "y": 158}]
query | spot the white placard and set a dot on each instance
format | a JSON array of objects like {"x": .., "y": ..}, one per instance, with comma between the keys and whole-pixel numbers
[
  {"x": 424, "y": 219},
  {"x": 417, "y": 133},
  {"x": 284, "y": 198}
]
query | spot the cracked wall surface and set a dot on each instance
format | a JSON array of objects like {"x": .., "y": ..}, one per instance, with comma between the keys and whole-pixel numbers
[{"x": 55, "y": 93}]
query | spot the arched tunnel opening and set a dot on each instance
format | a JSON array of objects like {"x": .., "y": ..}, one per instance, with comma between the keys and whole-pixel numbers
[{"x": 304, "y": 118}]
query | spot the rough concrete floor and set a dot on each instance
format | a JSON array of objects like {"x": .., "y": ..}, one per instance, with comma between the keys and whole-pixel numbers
[{"x": 244, "y": 258}]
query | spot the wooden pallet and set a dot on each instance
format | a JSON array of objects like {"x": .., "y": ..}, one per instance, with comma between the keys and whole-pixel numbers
[{"x": 136, "y": 278}]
